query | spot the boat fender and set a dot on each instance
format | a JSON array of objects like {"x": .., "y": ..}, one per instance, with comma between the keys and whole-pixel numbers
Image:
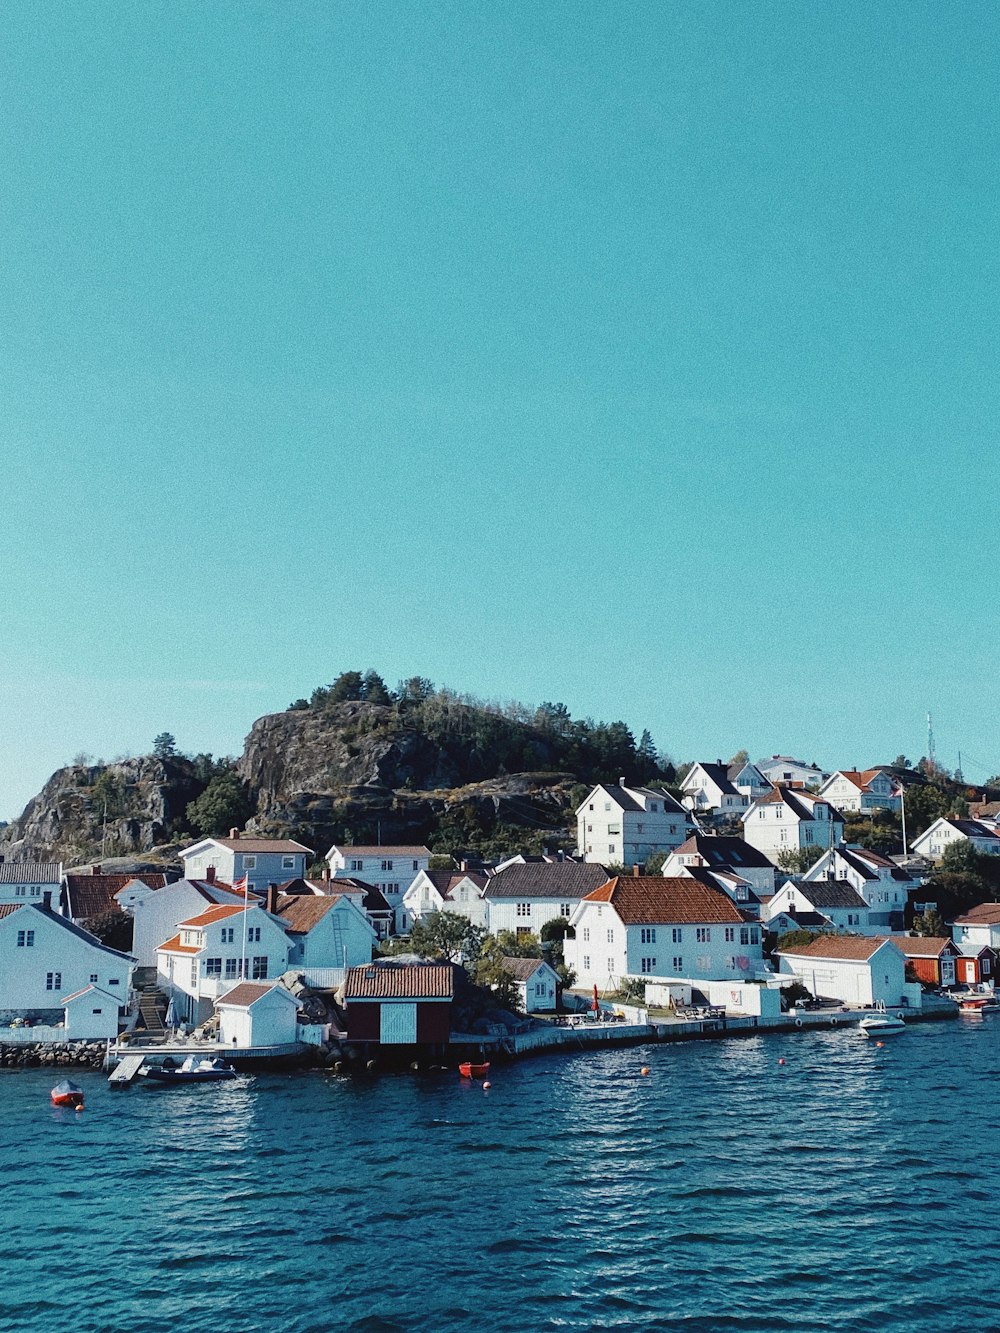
[
  {"x": 833, "y": 1022},
  {"x": 798, "y": 1022}
]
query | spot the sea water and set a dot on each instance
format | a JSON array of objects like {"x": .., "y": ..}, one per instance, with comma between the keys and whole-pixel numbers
[{"x": 850, "y": 1188}]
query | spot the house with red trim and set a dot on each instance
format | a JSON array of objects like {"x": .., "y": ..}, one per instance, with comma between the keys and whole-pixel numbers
[{"x": 930, "y": 959}]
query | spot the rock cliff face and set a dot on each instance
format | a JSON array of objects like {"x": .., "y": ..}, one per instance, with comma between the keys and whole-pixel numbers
[{"x": 86, "y": 811}]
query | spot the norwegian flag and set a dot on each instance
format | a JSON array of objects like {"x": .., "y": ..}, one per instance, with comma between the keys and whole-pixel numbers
[{"x": 241, "y": 885}]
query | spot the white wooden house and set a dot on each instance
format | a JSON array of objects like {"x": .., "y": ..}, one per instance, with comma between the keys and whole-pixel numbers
[
  {"x": 789, "y": 820},
  {"x": 781, "y": 768},
  {"x": 879, "y": 881},
  {"x": 733, "y": 855},
  {"x": 649, "y": 926},
  {"x": 749, "y": 780},
  {"x": 156, "y": 913},
  {"x": 391, "y": 869},
  {"x": 44, "y": 957},
  {"x": 624, "y": 825},
  {"x": 855, "y": 969},
  {"x": 325, "y": 932},
  {"x": 979, "y": 927},
  {"x": 523, "y": 898},
  {"x": 29, "y": 882},
  {"x": 708, "y": 789},
  {"x": 262, "y": 860},
  {"x": 461, "y": 891},
  {"x": 91, "y": 1014},
  {"x": 837, "y": 906},
  {"x": 945, "y": 833},
  {"x": 537, "y": 983},
  {"x": 870, "y": 789},
  {"x": 257, "y": 1014}
]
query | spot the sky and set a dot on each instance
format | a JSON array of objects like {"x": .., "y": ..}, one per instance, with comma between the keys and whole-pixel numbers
[{"x": 638, "y": 356}]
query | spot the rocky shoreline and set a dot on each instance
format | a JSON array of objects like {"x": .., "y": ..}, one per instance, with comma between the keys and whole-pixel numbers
[{"x": 80, "y": 1055}]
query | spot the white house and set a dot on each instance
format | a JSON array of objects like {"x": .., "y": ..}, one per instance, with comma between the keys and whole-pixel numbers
[
  {"x": 945, "y": 833},
  {"x": 537, "y": 983},
  {"x": 156, "y": 913},
  {"x": 29, "y": 883},
  {"x": 523, "y": 898},
  {"x": 979, "y": 927},
  {"x": 780, "y": 768},
  {"x": 708, "y": 789},
  {"x": 870, "y": 789},
  {"x": 854, "y": 969},
  {"x": 749, "y": 780},
  {"x": 624, "y": 825},
  {"x": 325, "y": 932},
  {"x": 257, "y": 1014},
  {"x": 648, "y": 926},
  {"x": 735, "y": 855},
  {"x": 262, "y": 860},
  {"x": 789, "y": 820},
  {"x": 203, "y": 960},
  {"x": 879, "y": 881},
  {"x": 839, "y": 907},
  {"x": 390, "y": 869},
  {"x": 445, "y": 891},
  {"x": 44, "y": 957},
  {"x": 91, "y": 1014}
]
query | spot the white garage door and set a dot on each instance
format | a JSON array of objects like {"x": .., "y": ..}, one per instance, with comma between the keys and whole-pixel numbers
[{"x": 398, "y": 1025}]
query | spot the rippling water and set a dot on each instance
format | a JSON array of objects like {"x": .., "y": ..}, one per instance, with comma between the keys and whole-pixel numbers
[{"x": 849, "y": 1189}]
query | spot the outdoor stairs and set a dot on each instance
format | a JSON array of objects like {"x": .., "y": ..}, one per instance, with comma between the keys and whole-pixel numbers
[{"x": 152, "y": 1009}]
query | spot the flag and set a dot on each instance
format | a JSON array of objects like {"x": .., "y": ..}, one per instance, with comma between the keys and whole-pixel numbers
[{"x": 241, "y": 885}]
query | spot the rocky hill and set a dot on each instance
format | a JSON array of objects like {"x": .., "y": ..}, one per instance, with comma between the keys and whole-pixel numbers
[{"x": 438, "y": 768}]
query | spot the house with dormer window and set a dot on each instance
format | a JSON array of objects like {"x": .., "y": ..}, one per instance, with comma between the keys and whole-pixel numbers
[
  {"x": 708, "y": 789},
  {"x": 461, "y": 891},
  {"x": 872, "y": 789},
  {"x": 884, "y": 887},
  {"x": 790, "y": 819},
  {"x": 624, "y": 825}
]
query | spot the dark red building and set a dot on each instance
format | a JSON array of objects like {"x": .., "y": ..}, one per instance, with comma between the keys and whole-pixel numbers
[{"x": 400, "y": 1004}]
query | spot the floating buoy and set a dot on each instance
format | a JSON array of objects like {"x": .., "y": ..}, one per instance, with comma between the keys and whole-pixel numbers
[
  {"x": 644, "y": 1070},
  {"x": 880, "y": 1044},
  {"x": 781, "y": 1061},
  {"x": 486, "y": 1085}
]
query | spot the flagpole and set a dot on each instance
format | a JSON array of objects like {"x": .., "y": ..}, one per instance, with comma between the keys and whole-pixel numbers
[{"x": 246, "y": 906}]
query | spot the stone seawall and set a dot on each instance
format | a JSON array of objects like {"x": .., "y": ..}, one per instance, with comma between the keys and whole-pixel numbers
[{"x": 77, "y": 1055}]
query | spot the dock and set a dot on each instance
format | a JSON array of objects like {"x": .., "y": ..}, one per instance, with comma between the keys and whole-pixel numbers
[{"x": 125, "y": 1070}]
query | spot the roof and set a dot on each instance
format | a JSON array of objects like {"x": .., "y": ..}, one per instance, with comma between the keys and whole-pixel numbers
[
  {"x": 827, "y": 893},
  {"x": 922, "y": 946},
  {"x": 400, "y": 981},
  {"x": 653, "y": 900},
  {"x": 620, "y": 795},
  {"x": 971, "y": 828},
  {"x": 252, "y": 844},
  {"x": 557, "y": 879},
  {"x": 718, "y": 879},
  {"x": 96, "y": 990},
  {"x": 985, "y": 914},
  {"x": 805, "y": 920},
  {"x": 7, "y": 908},
  {"x": 90, "y": 895},
  {"x": 840, "y": 948},
  {"x": 212, "y": 914},
  {"x": 247, "y": 993},
  {"x": 30, "y": 872},
  {"x": 522, "y": 969},
  {"x": 801, "y": 803},
  {"x": 300, "y": 913},
  {"x": 447, "y": 881},
  {"x": 719, "y": 774},
  {"x": 359, "y": 850},
  {"x": 173, "y": 945},
  {"x": 724, "y": 851}
]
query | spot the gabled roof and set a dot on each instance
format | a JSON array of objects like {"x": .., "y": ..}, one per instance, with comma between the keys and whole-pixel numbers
[
  {"x": 91, "y": 989},
  {"x": 7, "y": 908},
  {"x": 30, "y": 872},
  {"x": 923, "y": 946},
  {"x": 832, "y": 893},
  {"x": 558, "y": 879},
  {"x": 805, "y": 920},
  {"x": 209, "y": 917},
  {"x": 400, "y": 981},
  {"x": 252, "y": 845},
  {"x": 654, "y": 900},
  {"x": 447, "y": 881},
  {"x": 90, "y": 895},
  {"x": 985, "y": 914},
  {"x": 724, "y": 851},
  {"x": 247, "y": 993},
  {"x": 374, "y": 899},
  {"x": 801, "y": 803},
  {"x": 839, "y": 948},
  {"x": 522, "y": 969},
  {"x": 720, "y": 879},
  {"x": 719, "y": 774},
  {"x": 620, "y": 796},
  {"x": 387, "y": 852},
  {"x": 173, "y": 945},
  {"x": 300, "y": 913}
]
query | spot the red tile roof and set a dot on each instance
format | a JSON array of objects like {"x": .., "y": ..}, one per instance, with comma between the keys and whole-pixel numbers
[
  {"x": 400, "y": 981},
  {"x": 844, "y": 948},
  {"x": 91, "y": 895},
  {"x": 7, "y": 908},
  {"x": 211, "y": 915},
  {"x": 252, "y": 844},
  {"x": 653, "y": 900},
  {"x": 387, "y": 852},
  {"x": 986, "y": 914},
  {"x": 300, "y": 913},
  {"x": 173, "y": 945},
  {"x": 927, "y": 946},
  {"x": 249, "y": 992}
]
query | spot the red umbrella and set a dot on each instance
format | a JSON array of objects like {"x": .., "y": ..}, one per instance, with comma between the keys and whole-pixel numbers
[{"x": 595, "y": 1005}]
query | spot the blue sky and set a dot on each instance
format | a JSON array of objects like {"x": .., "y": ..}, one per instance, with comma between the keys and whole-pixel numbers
[{"x": 639, "y": 356}]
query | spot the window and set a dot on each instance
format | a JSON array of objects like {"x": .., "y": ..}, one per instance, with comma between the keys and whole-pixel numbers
[
  {"x": 463, "y": 894},
  {"x": 673, "y": 828},
  {"x": 784, "y": 835},
  {"x": 213, "y": 967},
  {"x": 754, "y": 935},
  {"x": 113, "y": 981},
  {"x": 586, "y": 934},
  {"x": 416, "y": 865},
  {"x": 761, "y": 814},
  {"x": 565, "y": 909},
  {"x": 703, "y": 934},
  {"x": 232, "y": 966},
  {"x": 678, "y": 964},
  {"x": 638, "y": 828},
  {"x": 259, "y": 968},
  {"x": 676, "y": 935},
  {"x": 742, "y": 893},
  {"x": 93, "y": 978},
  {"x": 647, "y": 935},
  {"x": 586, "y": 962},
  {"x": 611, "y": 848},
  {"x": 253, "y": 935},
  {"x": 25, "y": 939},
  {"x": 386, "y": 865},
  {"x": 704, "y": 963},
  {"x": 653, "y": 807},
  {"x": 194, "y": 973},
  {"x": 809, "y": 835},
  {"x": 249, "y": 863},
  {"x": 647, "y": 965},
  {"x": 357, "y": 865},
  {"x": 288, "y": 863},
  {"x": 730, "y": 934},
  {"x": 590, "y": 828},
  {"x": 607, "y": 805},
  {"x": 53, "y": 981},
  {"x": 744, "y": 934},
  {"x": 611, "y": 936},
  {"x": 227, "y": 934},
  {"x": 524, "y": 909}
]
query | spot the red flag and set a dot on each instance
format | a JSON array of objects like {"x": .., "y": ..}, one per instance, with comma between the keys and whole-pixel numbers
[{"x": 595, "y": 1006}]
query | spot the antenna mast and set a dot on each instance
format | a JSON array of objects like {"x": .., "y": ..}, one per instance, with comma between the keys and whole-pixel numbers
[{"x": 931, "y": 761}]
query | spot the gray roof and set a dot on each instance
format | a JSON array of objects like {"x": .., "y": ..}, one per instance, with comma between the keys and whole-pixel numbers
[
  {"x": 719, "y": 773},
  {"x": 31, "y": 872},
  {"x": 827, "y": 893},
  {"x": 561, "y": 879},
  {"x": 725, "y": 851},
  {"x": 522, "y": 969},
  {"x": 621, "y": 797}
]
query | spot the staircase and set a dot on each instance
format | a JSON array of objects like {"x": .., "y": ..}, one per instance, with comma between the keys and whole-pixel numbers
[{"x": 152, "y": 1008}]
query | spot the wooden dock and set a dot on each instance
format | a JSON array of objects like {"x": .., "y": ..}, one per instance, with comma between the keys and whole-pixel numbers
[{"x": 125, "y": 1070}]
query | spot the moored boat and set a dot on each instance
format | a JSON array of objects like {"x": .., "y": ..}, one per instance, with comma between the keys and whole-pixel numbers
[
  {"x": 194, "y": 1070},
  {"x": 881, "y": 1025},
  {"x": 67, "y": 1094},
  {"x": 468, "y": 1070}
]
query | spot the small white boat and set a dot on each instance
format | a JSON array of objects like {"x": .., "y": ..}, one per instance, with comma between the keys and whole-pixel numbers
[{"x": 881, "y": 1024}]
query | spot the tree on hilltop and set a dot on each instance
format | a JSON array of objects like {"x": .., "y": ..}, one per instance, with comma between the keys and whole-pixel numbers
[{"x": 164, "y": 746}]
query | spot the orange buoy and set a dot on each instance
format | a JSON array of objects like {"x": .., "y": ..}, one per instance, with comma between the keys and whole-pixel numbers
[
  {"x": 644, "y": 1070},
  {"x": 781, "y": 1061},
  {"x": 880, "y": 1044}
]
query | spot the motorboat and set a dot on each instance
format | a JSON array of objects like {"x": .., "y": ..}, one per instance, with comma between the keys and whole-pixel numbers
[
  {"x": 880, "y": 1024},
  {"x": 195, "y": 1069},
  {"x": 978, "y": 1004},
  {"x": 469, "y": 1070},
  {"x": 67, "y": 1094}
]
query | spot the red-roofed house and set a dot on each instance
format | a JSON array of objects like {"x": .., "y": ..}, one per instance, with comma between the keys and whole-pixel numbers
[
  {"x": 156, "y": 913},
  {"x": 855, "y": 969},
  {"x": 257, "y": 1014},
  {"x": 869, "y": 789},
  {"x": 400, "y": 1004},
  {"x": 652, "y": 926}
]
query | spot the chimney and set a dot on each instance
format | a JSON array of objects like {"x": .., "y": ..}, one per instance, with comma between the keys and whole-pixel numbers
[
  {"x": 47, "y": 901},
  {"x": 326, "y": 874},
  {"x": 210, "y": 875},
  {"x": 234, "y": 833},
  {"x": 621, "y": 782},
  {"x": 272, "y": 898},
  {"x": 636, "y": 870},
  {"x": 560, "y": 855},
  {"x": 95, "y": 870},
  {"x": 463, "y": 866}
]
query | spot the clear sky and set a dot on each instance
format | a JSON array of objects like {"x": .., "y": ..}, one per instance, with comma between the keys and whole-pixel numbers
[{"x": 641, "y": 356}]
